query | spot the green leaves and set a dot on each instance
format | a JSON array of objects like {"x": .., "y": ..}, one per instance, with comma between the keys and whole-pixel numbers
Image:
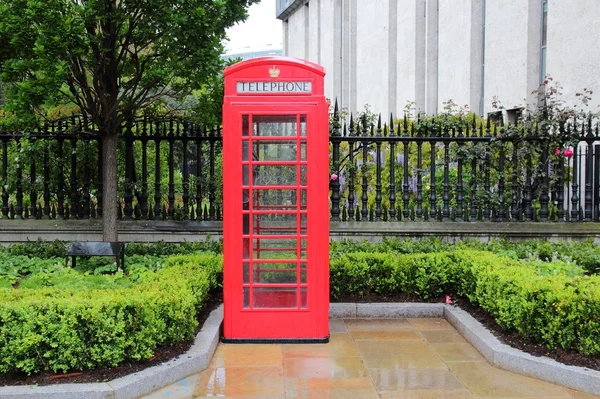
[
  {"x": 62, "y": 329},
  {"x": 556, "y": 306}
]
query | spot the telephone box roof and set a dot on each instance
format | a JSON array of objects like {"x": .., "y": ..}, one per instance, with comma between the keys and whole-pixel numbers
[{"x": 295, "y": 62}]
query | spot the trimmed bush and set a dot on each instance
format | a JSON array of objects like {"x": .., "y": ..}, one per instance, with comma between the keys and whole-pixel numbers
[
  {"x": 70, "y": 329},
  {"x": 546, "y": 305}
]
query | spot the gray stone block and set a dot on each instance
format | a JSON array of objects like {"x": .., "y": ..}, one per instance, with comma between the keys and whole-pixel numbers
[
  {"x": 342, "y": 310},
  {"x": 63, "y": 391},
  {"x": 399, "y": 310},
  {"x": 546, "y": 369},
  {"x": 516, "y": 361},
  {"x": 473, "y": 332}
]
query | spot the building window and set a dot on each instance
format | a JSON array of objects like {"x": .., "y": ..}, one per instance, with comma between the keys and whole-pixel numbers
[
  {"x": 495, "y": 117},
  {"x": 513, "y": 115},
  {"x": 543, "y": 49}
]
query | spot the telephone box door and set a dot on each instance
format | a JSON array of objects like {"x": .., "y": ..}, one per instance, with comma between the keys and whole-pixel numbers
[{"x": 276, "y": 228}]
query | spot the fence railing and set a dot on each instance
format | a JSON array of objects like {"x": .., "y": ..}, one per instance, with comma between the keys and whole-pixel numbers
[
  {"x": 167, "y": 169},
  {"x": 170, "y": 169},
  {"x": 465, "y": 171}
]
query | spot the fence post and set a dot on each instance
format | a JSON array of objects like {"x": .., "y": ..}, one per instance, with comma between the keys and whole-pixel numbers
[
  {"x": 46, "y": 214},
  {"x": 351, "y": 197},
  {"x": 589, "y": 172},
  {"x": 74, "y": 208},
  {"x": 364, "y": 196},
  {"x": 211, "y": 184},
  {"x": 144, "y": 195},
  {"x": 514, "y": 210},
  {"x": 378, "y": 197},
  {"x": 419, "y": 178},
  {"x": 186, "y": 172},
  {"x": 129, "y": 178},
  {"x": 171, "y": 163},
  {"x": 33, "y": 192},
  {"x": 5, "y": 178},
  {"x": 575, "y": 186},
  {"x": 432, "y": 185},
  {"x": 596, "y": 187},
  {"x": 19, "y": 207},
  {"x": 405, "y": 186},
  {"x": 157, "y": 174},
  {"x": 199, "y": 142},
  {"x": 392, "y": 172},
  {"x": 446, "y": 184},
  {"x": 335, "y": 183},
  {"x": 459, "y": 184}
]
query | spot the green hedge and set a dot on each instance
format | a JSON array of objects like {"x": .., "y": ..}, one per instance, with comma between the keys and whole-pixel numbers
[
  {"x": 549, "y": 308},
  {"x": 65, "y": 329}
]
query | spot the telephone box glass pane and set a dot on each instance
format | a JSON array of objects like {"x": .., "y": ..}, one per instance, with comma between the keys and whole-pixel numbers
[
  {"x": 275, "y": 297},
  {"x": 244, "y": 125},
  {"x": 303, "y": 151},
  {"x": 303, "y": 125},
  {"x": 246, "y": 297},
  {"x": 303, "y": 298},
  {"x": 246, "y": 273},
  {"x": 245, "y": 151},
  {"x": 274, "y": 175},
  {"x": 275, "y": 273},
  {"x": 274, "y": 199},
  {"x": 245, "y": 178},
  {"x": 303, "y": 175},
  {"x": 278, "y": 150},
  {"x": 278, "y": 248},
  {"x": 266, "y": 224},
  {"x": 274, "y": 125}
]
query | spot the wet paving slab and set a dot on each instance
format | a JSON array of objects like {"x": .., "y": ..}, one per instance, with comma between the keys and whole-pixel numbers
[{"x": 365, "y": 358}]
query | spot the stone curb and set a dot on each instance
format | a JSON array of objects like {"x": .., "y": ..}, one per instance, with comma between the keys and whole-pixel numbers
[
  {"x": 141, "y": 383},
  {"x": 497, "y": 353},
  {"x": 511, "y": 359}
]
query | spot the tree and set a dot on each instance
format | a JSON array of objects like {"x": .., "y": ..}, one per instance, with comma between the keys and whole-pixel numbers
[{"x": 111, "y": 58}]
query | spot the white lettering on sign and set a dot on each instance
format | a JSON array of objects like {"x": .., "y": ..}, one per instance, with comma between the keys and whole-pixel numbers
[{"x": 274, "y": 87}]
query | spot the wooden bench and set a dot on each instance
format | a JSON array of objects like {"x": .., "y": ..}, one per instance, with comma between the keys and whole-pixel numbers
[{"x": 96, "y": 248}]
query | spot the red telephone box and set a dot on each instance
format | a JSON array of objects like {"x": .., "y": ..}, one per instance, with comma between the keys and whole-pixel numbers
[{"x": 275, "y": 202}]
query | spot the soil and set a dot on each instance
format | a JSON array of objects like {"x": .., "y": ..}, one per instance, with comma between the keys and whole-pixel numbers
[
  {"x": 165, "y": 353},
  {"x": 513, "y": 339}
]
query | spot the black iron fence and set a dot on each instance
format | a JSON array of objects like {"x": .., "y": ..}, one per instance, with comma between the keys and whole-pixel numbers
[
  {"x": 458, "y": 170},
  {"x": 168, "y": 168},
  {"x": 403, "y": 170}
]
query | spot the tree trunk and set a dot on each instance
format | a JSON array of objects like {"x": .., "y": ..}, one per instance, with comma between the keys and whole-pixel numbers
[{"x": 110, "y": 203}]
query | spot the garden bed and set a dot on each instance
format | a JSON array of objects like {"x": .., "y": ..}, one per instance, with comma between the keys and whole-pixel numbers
[{"x": 534, "y": 296}]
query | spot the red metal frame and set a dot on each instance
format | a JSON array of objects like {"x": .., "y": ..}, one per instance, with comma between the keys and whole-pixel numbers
[{"x": 275, "y": 232}]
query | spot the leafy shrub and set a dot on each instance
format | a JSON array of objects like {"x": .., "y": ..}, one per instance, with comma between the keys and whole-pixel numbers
[
  {"x": 67, "y": 278},
  {"x": 39, "y": 249},
  {"x": 73, "y": 329},
  {"x": 162, "y": 248},
  {"x": 584, "y": 254},
  {"x": 555, "y": 305}
]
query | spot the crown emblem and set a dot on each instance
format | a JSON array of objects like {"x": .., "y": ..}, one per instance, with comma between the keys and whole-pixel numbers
[{"x": 274, "y": 72}]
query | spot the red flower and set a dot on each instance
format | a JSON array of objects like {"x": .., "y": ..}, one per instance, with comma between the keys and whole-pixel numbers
[
  {"x": 557, "y": 151},
  {"x": 568, "y": 153}
]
